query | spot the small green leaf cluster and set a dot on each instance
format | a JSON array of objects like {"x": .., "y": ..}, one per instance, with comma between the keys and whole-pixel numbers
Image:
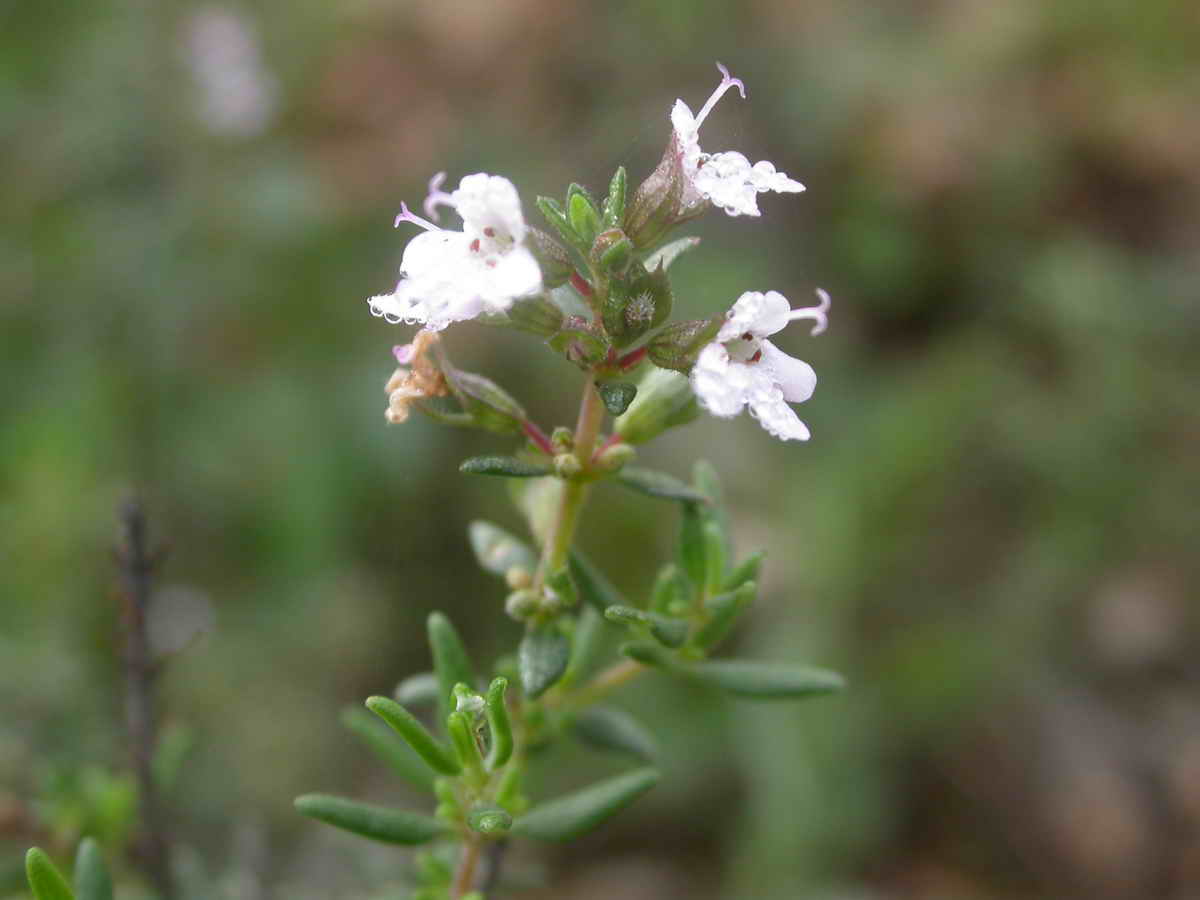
[
  {"x": 469, "y": 742},
  {"x": 91, "y": 879}
]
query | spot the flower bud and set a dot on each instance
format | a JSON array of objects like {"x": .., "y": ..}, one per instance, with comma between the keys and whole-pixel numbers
[
  {"x": 663, "y": 201},
  {"x": 567, "y": 465},
  {"x": 636, "y": 304},
  {"x": 615, "y": 457},
  {"x": 522, "y": 604},
  {"x": 562, "y": 439},
  {"x": 677, "y": 346},
  {"x": 612, "y": 252},
  {"x": 664, "y": 400},
  {"x": 581, "y": 342},
  {"x": 518, "y": 577}
]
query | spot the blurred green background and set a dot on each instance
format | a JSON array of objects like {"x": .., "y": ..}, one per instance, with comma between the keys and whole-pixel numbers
[{"x": 993, "y": 531}]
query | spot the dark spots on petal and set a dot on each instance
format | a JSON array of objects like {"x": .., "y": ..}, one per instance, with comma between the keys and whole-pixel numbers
[
  {"x": 756, "y": 357},
  {"x": 475, "y": 245},
  {"x": 489, "y": 231}
]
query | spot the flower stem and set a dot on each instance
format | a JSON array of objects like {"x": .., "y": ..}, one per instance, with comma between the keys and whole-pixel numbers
[
  {"x": 610, "y": 679},
  {"x": 464, "y": 875},
  {"x": 587, "y": 428}
]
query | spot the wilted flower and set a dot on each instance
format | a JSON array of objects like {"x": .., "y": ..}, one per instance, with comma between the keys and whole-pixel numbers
[
  {"x": 727, "y": 179},
  {"x": 417, "y": 378},
  {"x": 451, "y": 276},
  {"x": 742, "y": 368}
]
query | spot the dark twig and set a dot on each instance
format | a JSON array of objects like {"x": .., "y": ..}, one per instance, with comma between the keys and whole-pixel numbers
[
  {"x": 137, "y": 566},
  {"x": 493, "y": 864}
]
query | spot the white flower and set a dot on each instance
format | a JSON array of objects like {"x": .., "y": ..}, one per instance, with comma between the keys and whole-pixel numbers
[
  {"x": 742, "y": 368},
  {"x": 727, "y": 179},
  {"x": 451, "y": 276}
]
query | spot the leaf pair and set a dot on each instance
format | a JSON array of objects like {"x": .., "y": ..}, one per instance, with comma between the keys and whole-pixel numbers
[{"x": 92, "y": 881}]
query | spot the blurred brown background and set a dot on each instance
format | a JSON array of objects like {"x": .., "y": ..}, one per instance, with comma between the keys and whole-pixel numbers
[{"x": 993, "y": 531}]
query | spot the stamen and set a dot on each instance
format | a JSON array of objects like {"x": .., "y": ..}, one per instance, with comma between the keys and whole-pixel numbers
[
  {"x": 404, "y": 353},
  {"x": 407, "y": 215},
  {"x": 726, "y": 83},
  {"x": 816, "y": 313},
  {"x": 437, "y": 197}
]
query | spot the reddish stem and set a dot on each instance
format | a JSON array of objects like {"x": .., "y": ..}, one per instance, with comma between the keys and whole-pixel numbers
[
  {"x": 580, "y": 284},
  {"x": 629, "y": 360},
  {"x": 539, "y": 438},
  {"x": 613, "y": 438}
]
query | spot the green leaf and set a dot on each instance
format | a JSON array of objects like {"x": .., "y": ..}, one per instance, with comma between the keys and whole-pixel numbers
[
  {"x": 582, "y": 213},
  {"x": 593, "y": 587},
  {"x": 575, "y": 814},
  {"x": 693, "y": 546},
  {"x": 417, "y": 690},
  {"x": 649, "y": 654},
  {"x": 92, "y": 881},
  {"x": 747, "y": 570},
  {"x": 670, "y": 590},
  {"x": 462, "y": 736},
  {"x": 767, "y": 681},
  {"x": 538, "y": 314},
  {"x": 581, "y": 342},
  {"x": 489, "y": 820},
  {"x": 585, "y": 644},
  {"x": 707, "y": 482},
  {"x": 450, "y": 661},
  {"x": 414, "y": 733},
  {"x": 617, "y": 395},
  {"x": 497, "y": 550},
  {"x": 659, "y": 484},
  {"x": 723, "y": 610},
  {"x": 501, "y": 728},
  {"x": 542, "y": 658},
  {"x": 614, "y": 204},
  {"x": 46, "y": 882},
  {"x": 383, "y": 744},
  {"x": 667, "y": 631},
  {"x": 669, "y": 252},
  {"x": 609, "y": 728},
  {"x": 487, "y": 404},
  {"x": 507, "y": 466},
  {"x": 555, "y": 215},
  {"x": 392, "y": 826}
]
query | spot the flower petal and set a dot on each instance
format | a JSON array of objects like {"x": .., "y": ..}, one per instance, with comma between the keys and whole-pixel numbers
[
  {"x": 490, "y": 202},
  {"x": 506, "y": 276},
  {"x": 720, "y": 384},
  {"x": 779, "y": 419},
  {"x": 756, "y": 314},
  {"x": 730, "y": 182},
  {"x": 794, "y": 377}
]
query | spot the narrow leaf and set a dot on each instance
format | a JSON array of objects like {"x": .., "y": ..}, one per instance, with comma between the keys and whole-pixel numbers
[
  {"x": 555, "y": 215},
  {"x": 649, "y": 654},
  {"x": 767, "y": 681},
  {"x": 723, "y": 610},
  {"x": 542, "y": 658},
  {"x": 501, "y": 728},
  {"x": 614, "y": 204},
  {"x": 609, "y": 728},
  {"x": 585, "y": 643},
  {"x": 506, "y": 466},
  {"x": 383, "y": 744},
  {"x": 693, "y": 547},
  {"x": 392, "y": 826},
  {"x": 497, "y": 550},
  {"x": 575, "y": 814},
  {"x": 46, "y": 882},
  {"x": 659, "y": 484},
  {"x": 593, "y": 587},
  {"x": 414, "y": 733},
  {"x": 450, "y": 661},
  {"x": 462, "y": 736},
  {"x": 667, "y": 631},
  {"x": 92, "y": 881},
  {"x": 747, "y": 570}
]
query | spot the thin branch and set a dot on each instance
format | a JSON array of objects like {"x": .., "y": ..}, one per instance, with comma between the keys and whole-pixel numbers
[{"x": 137, "y": 566}]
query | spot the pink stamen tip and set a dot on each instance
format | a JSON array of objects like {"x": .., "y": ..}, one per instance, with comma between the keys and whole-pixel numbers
[
  {"x": 403, "y": 353},
  {"x": 407, "y": 215},
  {"x": 727, "y": 81},
  {"x": 436, "y": 197}
]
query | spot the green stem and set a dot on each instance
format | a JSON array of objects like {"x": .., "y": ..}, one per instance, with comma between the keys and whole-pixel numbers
[
  {"x": 598, "y": 687},
  {"x": 574, "y": 493},
  {"x": 464, "y": 875}
]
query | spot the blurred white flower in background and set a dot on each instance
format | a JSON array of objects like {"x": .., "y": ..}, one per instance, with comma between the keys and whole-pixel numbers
[{"x": 237, "y": 95}]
